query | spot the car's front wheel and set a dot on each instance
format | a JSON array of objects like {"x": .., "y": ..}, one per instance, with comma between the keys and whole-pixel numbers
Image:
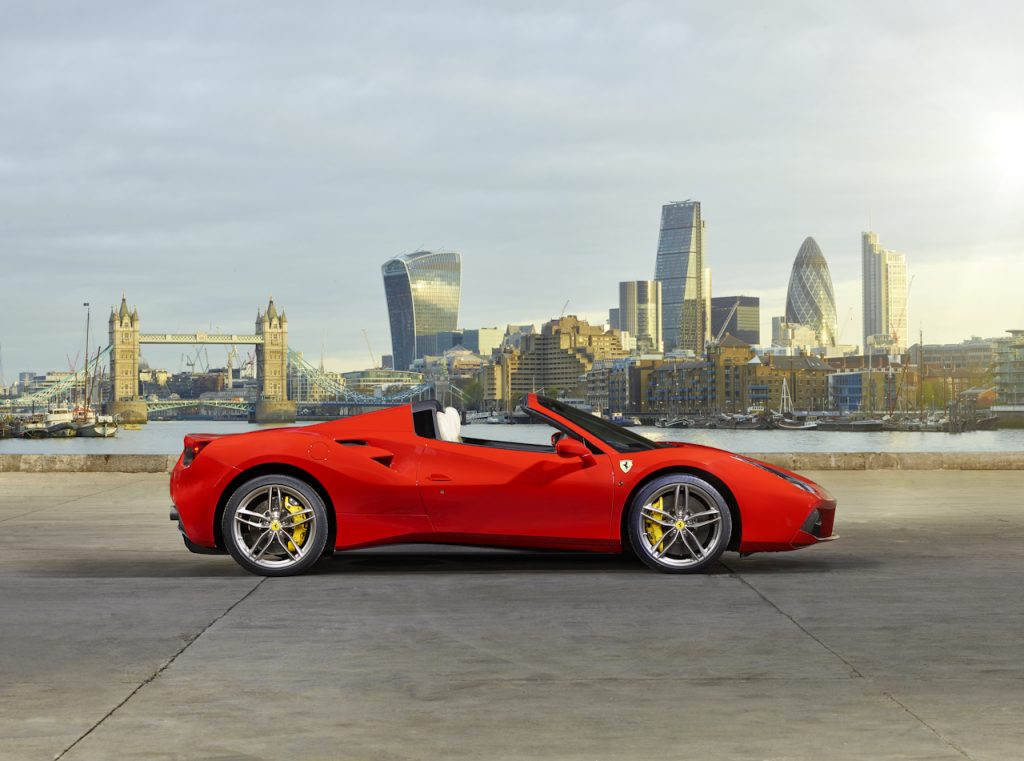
[
  {"x": 275, "y": 525},
  {"x": 679, "y": 523}
]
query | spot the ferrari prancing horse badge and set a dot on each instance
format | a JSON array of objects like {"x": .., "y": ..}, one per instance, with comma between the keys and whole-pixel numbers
[{"x": 626, "y": 465}]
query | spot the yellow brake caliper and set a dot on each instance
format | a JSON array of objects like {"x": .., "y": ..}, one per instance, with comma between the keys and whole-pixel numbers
[
  {"x": 299, "y": 532},
  {"x": 654, "y": 531}
]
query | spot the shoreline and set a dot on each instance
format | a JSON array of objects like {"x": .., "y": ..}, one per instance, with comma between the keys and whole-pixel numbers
[{"x": 799, "y": 461}]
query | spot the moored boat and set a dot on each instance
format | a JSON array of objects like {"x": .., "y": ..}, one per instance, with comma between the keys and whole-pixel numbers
[
  {"x": 793, "y": 425},
  {"x": 623, "y": 420},
  {"x": 60, "y": 423},
  {"x": 103, "y": 427}
]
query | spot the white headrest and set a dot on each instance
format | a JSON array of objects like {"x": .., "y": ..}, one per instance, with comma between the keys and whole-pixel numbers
[{"x": 449, "y": 424}]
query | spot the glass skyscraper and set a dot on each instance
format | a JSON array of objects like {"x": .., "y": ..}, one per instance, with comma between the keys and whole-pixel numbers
[
  {"x": 640, "y": 313},
  {"x": 811, "y": 300},
  {"x": 885, "y": 294},
  {"x": 680, "y": 268},
  {"x": 423, "y": 291},
  {"x": 739, "y": 316}
]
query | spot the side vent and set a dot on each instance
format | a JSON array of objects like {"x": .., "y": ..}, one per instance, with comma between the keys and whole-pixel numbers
[{"x": 382, "y": 456}]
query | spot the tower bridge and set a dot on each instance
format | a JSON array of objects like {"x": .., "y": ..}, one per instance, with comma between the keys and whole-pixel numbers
[
  {"x": 275, "y": 362},
  {"x": 270, "y": 339},
  {"x": 278, "y": 367}
]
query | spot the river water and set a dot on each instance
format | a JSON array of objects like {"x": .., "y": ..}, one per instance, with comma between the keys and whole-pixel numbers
[{"x": 166, "y": 438}]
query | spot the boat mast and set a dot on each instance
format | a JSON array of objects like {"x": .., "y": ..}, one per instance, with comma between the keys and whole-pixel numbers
[{"x": 86, "y": 390}]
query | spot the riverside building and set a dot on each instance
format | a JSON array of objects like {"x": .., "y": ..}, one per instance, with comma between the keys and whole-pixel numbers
[
  {"x": 553, "y": 361},
  {"x": 1010, "y": 380}
]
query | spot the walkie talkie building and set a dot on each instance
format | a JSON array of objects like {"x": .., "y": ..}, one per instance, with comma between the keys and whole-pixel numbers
[{"x": 423, "y": 291}]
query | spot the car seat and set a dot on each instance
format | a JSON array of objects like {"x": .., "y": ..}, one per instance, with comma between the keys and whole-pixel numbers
[{"x": 449, "y": 424}]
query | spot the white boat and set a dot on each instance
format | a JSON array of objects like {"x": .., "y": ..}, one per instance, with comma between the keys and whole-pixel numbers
[
  {"x": 623, "y": 420},
  {"x": 793, "y": 425},
  {"x": 93, "y": 426},
  {"x": 59, "y": 423}
]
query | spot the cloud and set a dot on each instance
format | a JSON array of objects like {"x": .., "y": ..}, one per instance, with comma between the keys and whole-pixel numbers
[{"x": 202, "y": 156}]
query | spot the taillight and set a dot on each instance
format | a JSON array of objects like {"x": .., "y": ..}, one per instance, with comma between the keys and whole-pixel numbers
[{"x": 192, "y": 448}]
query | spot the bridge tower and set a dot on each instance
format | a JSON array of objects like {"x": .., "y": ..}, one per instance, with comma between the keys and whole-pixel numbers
[
  {"x": 272, "y": 368},
  {"x": 124, "y": 401}
]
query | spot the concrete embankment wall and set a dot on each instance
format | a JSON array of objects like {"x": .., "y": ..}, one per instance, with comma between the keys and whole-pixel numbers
[{"x": 132, "y": 463}]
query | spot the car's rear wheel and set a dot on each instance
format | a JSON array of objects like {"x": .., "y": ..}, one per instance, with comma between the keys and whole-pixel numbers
[
  {"x": 679, "y": 523},
  {"x": 275, "y": 525}
]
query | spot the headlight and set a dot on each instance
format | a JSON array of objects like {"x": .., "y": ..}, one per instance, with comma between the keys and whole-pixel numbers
[{"x": 781, "y": 474}]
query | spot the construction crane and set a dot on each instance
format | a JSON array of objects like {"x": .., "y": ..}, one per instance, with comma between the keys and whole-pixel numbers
[
  {"x": 191, "y": 361},
  {"x": 728, "y": 317},
  {"x": 564, "y": 307},
  {"x": 373, "y": 360}
]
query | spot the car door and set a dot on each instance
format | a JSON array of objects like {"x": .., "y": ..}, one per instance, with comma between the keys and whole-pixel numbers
[{"x": 487, "y": 491}]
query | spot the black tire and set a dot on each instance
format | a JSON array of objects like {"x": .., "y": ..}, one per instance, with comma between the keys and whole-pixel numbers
[
  {"x": 679, "y": 548},
  {"x": 266, "y": 538}
]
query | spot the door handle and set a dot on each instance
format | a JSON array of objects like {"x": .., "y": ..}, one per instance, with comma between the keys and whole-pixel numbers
[{"x": 438, "y": 477}]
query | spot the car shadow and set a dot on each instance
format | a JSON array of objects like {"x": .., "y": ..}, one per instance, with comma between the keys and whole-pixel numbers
[
  {"x": 418, "y": 559},
  {"x": 475, "y": 560}
]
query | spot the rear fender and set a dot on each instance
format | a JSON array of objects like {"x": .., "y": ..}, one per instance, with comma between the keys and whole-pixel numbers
[{"x": 275, "y": 468}]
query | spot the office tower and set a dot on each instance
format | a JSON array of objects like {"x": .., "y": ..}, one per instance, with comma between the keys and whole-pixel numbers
[
  {"x": 884, "y": 284},
  {"x": 739, "y": 316},
  {"x": 640, "y": 313},
  {"x": 422, "y": 290},
  {"x": 614, "y": 320},
  {"x": 680, "y": 268},
  {"x": 707, "y": 305},
  {"x": 482, "y": 341},
  {"x": 810, "y": 300}
]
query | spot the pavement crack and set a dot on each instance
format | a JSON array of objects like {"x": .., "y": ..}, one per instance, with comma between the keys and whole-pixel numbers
[
  {"x": 159, "y": 671},
  {"x": 926, "y": 725},
  {"x": 854, "y": 671}
]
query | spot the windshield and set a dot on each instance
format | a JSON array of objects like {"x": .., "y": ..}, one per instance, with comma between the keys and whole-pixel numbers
[{"x": 619, "y": 438}]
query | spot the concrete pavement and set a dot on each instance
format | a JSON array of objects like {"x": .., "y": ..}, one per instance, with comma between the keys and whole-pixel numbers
[{"x": 901, "y": 640}]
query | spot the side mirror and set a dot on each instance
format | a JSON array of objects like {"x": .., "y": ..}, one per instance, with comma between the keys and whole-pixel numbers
[{"x": 570, "y": 447}]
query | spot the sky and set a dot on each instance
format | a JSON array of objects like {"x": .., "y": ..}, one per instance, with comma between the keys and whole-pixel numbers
[{"x": 201, "y": 156}]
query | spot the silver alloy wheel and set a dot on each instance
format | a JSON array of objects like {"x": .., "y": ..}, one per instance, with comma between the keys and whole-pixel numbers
[
  {"x": 274, "y": 526},
  {"x": 680, "y": 525}
]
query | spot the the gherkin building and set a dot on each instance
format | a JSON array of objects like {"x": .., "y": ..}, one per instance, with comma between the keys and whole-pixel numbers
[{"x": 811, "y": 300}]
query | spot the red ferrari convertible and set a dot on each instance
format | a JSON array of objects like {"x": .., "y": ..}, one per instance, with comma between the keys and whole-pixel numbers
[{"x": 279, "y": 499}]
